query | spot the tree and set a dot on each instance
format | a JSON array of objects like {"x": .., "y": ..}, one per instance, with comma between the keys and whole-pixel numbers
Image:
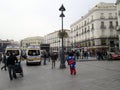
[{"x": 63, "y": 34}]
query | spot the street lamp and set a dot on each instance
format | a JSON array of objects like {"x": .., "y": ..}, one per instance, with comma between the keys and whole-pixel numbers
[{"x": 62, "y": 57}]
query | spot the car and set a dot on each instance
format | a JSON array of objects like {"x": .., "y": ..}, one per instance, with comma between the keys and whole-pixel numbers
[{"x": 114, "y": 55}]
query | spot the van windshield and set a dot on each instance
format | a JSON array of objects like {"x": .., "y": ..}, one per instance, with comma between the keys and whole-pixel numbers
[
  {"x": 33, "y": 52},
  {"x": 12, "y": 51}
]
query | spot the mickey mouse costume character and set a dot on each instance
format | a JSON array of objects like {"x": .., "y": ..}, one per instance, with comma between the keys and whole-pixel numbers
[{"x": 71, "y": 62}]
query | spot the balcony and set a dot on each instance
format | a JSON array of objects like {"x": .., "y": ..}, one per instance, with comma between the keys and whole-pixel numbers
[
  {"x": 111, "y": 27},
  {"x": 110, "y": 17},
  {"x": 103, "y": 27},
  {"x": 118, "y": 30},
  {"x": 102, "y": 17},
  {"x": 92, "y": 28}
]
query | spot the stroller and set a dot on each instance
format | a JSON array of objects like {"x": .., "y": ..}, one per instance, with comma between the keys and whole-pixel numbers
[{"x": 18, "y": 68}]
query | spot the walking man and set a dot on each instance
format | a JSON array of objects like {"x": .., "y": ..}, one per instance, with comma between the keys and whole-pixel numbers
[
  {"x": 4, "y": 60},
  {"x": 44, "y": 57},
  {"x": 11, "y": 60},
  {"x": 54, "y": 57}
]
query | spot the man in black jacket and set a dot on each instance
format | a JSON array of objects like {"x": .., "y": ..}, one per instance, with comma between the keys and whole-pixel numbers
[
  {"x": 54, "y": 57},
  {"x": 11, "y": 60},
  {"x": 44, "y": 57}
]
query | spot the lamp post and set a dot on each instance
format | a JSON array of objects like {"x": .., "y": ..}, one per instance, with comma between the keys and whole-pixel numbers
[{"x": 62, "y": 57}]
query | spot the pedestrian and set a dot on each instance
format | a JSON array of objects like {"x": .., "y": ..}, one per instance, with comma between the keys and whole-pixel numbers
[
  {"x": 77, "y": 54},
  {"x": 0, "y": 58},
  {"x": 86, "y": 55},
  {"x": 4, "y": 60},
  {"x": 44, "y": 57},
  {"x": 11, "y": 60},
  {"x": 71, "y": 62},
  {"x": 54, "y": 57},
  {"x": 49, "y": 56},
  {"x": 100, "y": 55}
]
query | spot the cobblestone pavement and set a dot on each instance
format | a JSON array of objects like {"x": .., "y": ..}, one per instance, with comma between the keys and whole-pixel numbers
[{"x": 93, "y": 75}]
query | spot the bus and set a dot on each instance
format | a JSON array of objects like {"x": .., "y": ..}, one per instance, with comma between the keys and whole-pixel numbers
[{"x": 33, "y": 55}]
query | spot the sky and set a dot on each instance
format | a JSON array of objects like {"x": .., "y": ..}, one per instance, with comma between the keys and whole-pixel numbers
[{"x": 20, "y": 19}]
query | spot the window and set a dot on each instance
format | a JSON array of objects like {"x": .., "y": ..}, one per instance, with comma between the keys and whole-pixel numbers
[
  {"x": 92, "y": 27},
  {"x": 115, "y": 15},
  {"x": 85, "y": 30},
  {"x": 89, "y": 44},
  {"x": 93, "y": 43},
  {"x": 119, "y": 12},
  {"x": 102, "y": 25},
  {"x": 92, "y": 18},
  {"x": 112, "y": 44},
  {"x": 85, "y": 23},
  {"x": 116, "y": 23},
  {"x": 77, "y": 34},
  {"x": 111, "y": 25},
  {"x": 102, "y": 16},
  {"x": 88, "y": 28},
  {"x": 16, "y": 52},
  {"x": 33, "y": 52},
  {"x": 88, "y": 20},
  {"x": 103, "y": 42},
  {"x": 110, "y": 16}
]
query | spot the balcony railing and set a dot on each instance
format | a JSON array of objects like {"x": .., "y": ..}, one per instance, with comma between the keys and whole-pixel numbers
[
  {"x": 118, "y": 28},
  {"x": 111, "y": 27},
  {"x": 103, "y": 27},
  {"x": 102, "y": 17},
  {"x": 111, "y": 17},
  {"x": 92, "y": 28}
]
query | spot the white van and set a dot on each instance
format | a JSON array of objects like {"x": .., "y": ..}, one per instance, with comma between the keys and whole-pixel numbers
[
  {"x": 33, "y": 55},
  {"x": 13, "y": 49}
]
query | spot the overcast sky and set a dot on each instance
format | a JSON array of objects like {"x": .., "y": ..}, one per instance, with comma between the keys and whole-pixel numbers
[{"x": 25, "y": 18}]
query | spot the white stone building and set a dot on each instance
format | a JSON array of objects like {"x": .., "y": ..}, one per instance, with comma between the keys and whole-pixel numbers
[
  {"x": 55, "y": 41},
  {"x": 96, "y": 29},
  {"x": 118, "y": 16},
  {"x": 37, "y": 40}
]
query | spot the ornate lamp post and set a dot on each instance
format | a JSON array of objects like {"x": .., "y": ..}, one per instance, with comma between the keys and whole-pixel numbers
[{"x": 62, "y": 57}]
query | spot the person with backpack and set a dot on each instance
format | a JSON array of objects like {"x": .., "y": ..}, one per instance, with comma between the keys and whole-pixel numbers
[
  {"x": 71, "y": 62},
  {"x": 54, "y": 57}
]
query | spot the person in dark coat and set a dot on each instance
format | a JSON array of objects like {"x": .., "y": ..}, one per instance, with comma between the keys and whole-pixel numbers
[
  {"x": 44, "y": 57},
  {"x": 11, "y": 60},
  {"x": 54, "y": 57},
  {"x": 100, "y": 55},
  {"x": 4, "y": 60}
]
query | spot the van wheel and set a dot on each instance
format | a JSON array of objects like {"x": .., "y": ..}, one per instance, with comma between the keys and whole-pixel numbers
[
  {"x": 39, "y": 63},
  {"x": 22, "y": 74},
  {"x": 27, "y": 63}
]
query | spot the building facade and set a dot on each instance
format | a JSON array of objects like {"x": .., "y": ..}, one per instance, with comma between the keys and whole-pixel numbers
[
  {"x": 37, "y": 40},
  {"x": 5, "y": 43},
  {"x": 55, "y": 42},
  {"x": 97, "y": 29},
  {"x": 118, "y": 17}
]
